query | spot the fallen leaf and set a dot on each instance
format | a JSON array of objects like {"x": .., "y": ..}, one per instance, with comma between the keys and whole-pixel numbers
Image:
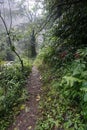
[
  {"x": 16, "y": 128},
  {"x": 29, "y": 127},
  {"x": 40, "y": 77},
  {"x": 22, "y": 107},
  {"x": 27, "y": 109},
  {"x": 38, "y": 98}
]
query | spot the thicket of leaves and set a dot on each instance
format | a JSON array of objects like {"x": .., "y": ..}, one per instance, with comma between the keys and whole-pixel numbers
[
  {"x": 12, "y": 93},
  {"x": 64, "y": 62},
  {"x": 64, "y": 102}
]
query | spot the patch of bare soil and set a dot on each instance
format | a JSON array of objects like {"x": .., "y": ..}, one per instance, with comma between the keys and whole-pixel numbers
[{"x": 27, "y": 118}]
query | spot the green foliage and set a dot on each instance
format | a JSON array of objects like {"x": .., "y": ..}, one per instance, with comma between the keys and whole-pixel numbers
[
  {"x": 12, "y": 93},
  {"x": 5, "y": 52},
  {"x": 63, "y": 63},
  {"x": 64, "y": 102},
  {"x": 13, "y": 48}
]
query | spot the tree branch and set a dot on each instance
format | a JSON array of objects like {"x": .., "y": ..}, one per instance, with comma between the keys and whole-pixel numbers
[
  {"x": 10, "y": 16},
  {"x": 49, "y": 17},
  {"x": 10, "y": 42}
]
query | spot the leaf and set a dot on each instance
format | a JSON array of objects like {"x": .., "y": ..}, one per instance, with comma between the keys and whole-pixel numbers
[
  {"x": 68, "y": 124},
  {"x": 57, "y": 122},
  {"x": 22, "y": 107},
  {"x": 71, "y": 80},
  {"x": 40, "y": 77},
  {"x": 85, "y": 97},
  {"x": 49, "y": 99},
  {"x": 16, "y": 128},
  {"x": 2, "y": 98},
  {"x": 76, "y": 126},
  {"x": 84, "y": 74},
  {"x": 84, "y": 84},
  {"x": 27, "y": 109},
  {"x": 1, "y": 91},
  {"x": 84, "y": 89},
  {"x": 30, "y": 127},
  {"x": 38, "y": 97}
]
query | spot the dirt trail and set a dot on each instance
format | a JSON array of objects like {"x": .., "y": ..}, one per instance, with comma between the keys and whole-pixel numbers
[{"x": 28, "y": 117}]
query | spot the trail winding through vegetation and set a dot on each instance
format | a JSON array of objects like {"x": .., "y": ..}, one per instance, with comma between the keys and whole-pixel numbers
[{"x": 28, "y": 117}]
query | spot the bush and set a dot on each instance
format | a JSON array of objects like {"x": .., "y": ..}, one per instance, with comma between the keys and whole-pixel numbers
[
  {"x": 12, "y": 93},
  {"x": 64, "y": 101}
]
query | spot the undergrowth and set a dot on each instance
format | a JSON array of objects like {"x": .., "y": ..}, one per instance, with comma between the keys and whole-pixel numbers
[
  {"x": 64, "y": 101},
  {"x": 13, "y": 93}
]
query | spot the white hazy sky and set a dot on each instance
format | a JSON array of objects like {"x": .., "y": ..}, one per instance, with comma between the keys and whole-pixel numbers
[{"x": 30, "y": 3}]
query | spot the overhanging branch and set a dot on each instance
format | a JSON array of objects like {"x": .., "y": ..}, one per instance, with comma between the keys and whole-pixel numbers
[{"x": 49, "y": 17}]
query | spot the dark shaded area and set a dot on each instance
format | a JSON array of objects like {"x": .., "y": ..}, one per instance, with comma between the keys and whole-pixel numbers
[{"x": 33, "y": 44}]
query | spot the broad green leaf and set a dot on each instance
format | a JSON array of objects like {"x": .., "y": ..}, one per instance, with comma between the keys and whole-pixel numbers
[
  {"x": 84, "y": 89},
  {"x": 71, "y": 80},
  {"x": 85, "y": 97}
]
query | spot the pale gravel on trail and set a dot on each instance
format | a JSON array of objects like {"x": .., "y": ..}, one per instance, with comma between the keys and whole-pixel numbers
[{"x": 27, "y": 118}]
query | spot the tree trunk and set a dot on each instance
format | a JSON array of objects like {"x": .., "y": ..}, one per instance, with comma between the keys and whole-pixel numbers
[{"x": 10, "y": 43}]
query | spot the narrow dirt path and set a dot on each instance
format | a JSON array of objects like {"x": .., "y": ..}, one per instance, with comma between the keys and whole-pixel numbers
[{"x": 28, "y": 117}]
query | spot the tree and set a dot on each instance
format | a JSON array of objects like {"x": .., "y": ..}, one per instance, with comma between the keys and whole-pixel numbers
[
  {"x": 32, "y": 14},
  {"x": 8, "y": 32}
]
